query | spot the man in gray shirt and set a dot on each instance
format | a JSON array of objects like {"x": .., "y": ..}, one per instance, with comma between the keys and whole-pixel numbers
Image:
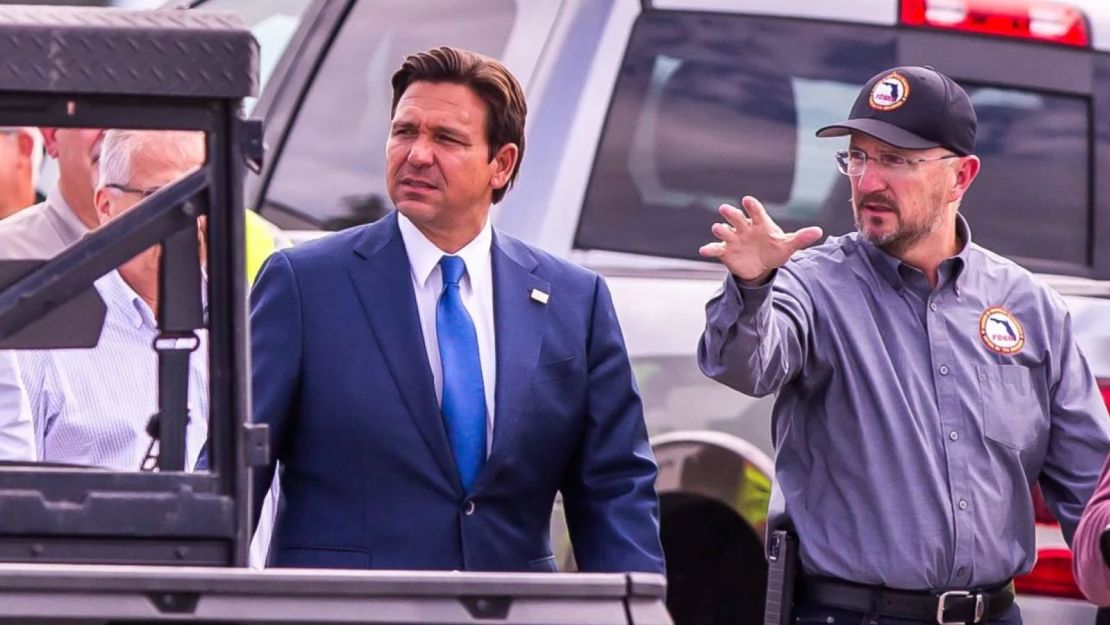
[{"x": 923, "y": 381}]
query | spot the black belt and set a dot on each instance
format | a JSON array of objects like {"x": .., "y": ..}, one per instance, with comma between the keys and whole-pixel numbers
[{"x": 953, "y": 606}]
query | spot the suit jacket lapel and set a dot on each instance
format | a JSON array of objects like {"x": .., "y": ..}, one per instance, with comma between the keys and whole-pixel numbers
[
  {"x": 518, "y": 322},
  {"x": 381, "y": 275}
]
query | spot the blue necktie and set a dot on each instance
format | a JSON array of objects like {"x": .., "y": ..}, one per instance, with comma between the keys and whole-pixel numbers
[{"x": 464, "y": 397}]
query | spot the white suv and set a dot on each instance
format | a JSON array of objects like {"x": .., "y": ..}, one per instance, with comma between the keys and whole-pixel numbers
[{"x": 644, "y": 116}]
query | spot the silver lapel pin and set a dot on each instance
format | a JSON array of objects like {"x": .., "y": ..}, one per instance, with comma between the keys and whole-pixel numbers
[{"x": 540, "y": 296}]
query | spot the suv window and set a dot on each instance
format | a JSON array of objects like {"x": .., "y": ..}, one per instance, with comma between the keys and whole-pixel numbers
[
  {"x": 332, "y": 171},
  {"x": 709, "y": 108}
]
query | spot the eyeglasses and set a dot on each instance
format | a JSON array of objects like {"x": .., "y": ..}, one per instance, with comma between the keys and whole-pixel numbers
[
  {"x": 854, "y": 162},
  {"x": 144, "y": 193}
]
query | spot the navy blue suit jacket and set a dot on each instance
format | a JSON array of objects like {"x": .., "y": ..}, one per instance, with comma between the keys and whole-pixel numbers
[{"x": 341, "y": 376}]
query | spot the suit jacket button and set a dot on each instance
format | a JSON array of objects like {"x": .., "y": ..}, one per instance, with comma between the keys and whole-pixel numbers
[{"x": 468, "y": 508}]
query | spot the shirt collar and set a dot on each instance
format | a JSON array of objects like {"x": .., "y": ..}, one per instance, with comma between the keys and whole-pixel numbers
[
  {"x": 118, "y": 295},
  {"x": 424, "y": 255},
  {"x": 951, "y": 269},
  {"x": 960, "y": 261}
]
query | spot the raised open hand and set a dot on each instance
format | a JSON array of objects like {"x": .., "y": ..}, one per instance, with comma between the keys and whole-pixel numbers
[{"x": 753, "y": 245}]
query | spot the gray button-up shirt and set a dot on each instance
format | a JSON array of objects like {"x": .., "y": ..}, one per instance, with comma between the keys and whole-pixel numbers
[{"x": 911, "y": 422}]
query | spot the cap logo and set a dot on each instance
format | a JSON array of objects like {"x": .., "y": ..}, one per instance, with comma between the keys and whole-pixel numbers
[
  {"x": 890, "y": 92},
  {"x": 1001, "y": 331}
]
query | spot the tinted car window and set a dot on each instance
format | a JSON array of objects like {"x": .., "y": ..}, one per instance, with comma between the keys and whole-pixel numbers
[
  {"x": 709, "y": 108},
  {"x": 331, "y": 174},
  {"x": 1031, "y": 199}
]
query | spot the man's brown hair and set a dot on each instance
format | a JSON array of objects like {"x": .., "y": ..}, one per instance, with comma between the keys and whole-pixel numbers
[{"x": 489, "y": 79}]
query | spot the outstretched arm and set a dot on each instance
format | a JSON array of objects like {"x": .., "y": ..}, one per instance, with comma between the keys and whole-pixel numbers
[{"x": 757, "y": 326}]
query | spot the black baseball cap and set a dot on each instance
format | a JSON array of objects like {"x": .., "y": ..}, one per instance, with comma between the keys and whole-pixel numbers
[{"x": 912, "y": 108}]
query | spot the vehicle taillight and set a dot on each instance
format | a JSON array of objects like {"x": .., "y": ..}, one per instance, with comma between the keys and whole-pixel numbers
[
  {"x": 1050, "y": 576},
  {"x": 1039, "y": 20}
]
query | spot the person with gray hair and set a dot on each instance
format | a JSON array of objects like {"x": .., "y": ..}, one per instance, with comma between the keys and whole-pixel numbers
[{"x": 91, "y": 406}]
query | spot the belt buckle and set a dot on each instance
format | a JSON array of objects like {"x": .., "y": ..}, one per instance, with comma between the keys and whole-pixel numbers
[{"x": 959, "y": 594}]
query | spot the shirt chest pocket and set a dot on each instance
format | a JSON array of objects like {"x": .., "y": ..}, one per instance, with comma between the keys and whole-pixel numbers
[{"x": 1011, "y": 406}]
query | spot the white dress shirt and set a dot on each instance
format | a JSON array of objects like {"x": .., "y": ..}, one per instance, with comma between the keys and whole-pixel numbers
[
  {"x": 476, "y": 288},
  {"x": 91, "y": 406},
  {"x": 17, "y": 436}
]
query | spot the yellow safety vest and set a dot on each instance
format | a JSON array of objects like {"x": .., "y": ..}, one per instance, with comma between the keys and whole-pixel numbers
[{"x": 260, "y": 243}]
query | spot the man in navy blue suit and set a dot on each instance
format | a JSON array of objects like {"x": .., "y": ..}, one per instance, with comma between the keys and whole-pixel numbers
[{"x": 431, "y": 383}]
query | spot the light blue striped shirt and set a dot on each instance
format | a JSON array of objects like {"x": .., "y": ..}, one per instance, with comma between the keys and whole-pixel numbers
[
  {"x": 912, "y": 421},
  {"x": 91, "y": 406}
]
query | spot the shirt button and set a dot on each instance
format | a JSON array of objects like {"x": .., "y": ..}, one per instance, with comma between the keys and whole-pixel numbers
[
  {"x": 944, "y": 369},
  {"x": 961, "y": 571},
  {"x": 933, "y": 306},
  {"x": 954, "y": 435},
  {"x": 963, "y": 504},
  {"x": 468, "y": 508}
]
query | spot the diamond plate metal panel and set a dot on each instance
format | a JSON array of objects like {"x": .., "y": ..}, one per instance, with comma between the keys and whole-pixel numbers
[{"x": 167, "y": 52}]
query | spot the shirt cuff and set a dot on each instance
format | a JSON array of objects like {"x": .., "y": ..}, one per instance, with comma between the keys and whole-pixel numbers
[
  {"x": 736, "y": 302},
  {"x": 750, "y": 298}
]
